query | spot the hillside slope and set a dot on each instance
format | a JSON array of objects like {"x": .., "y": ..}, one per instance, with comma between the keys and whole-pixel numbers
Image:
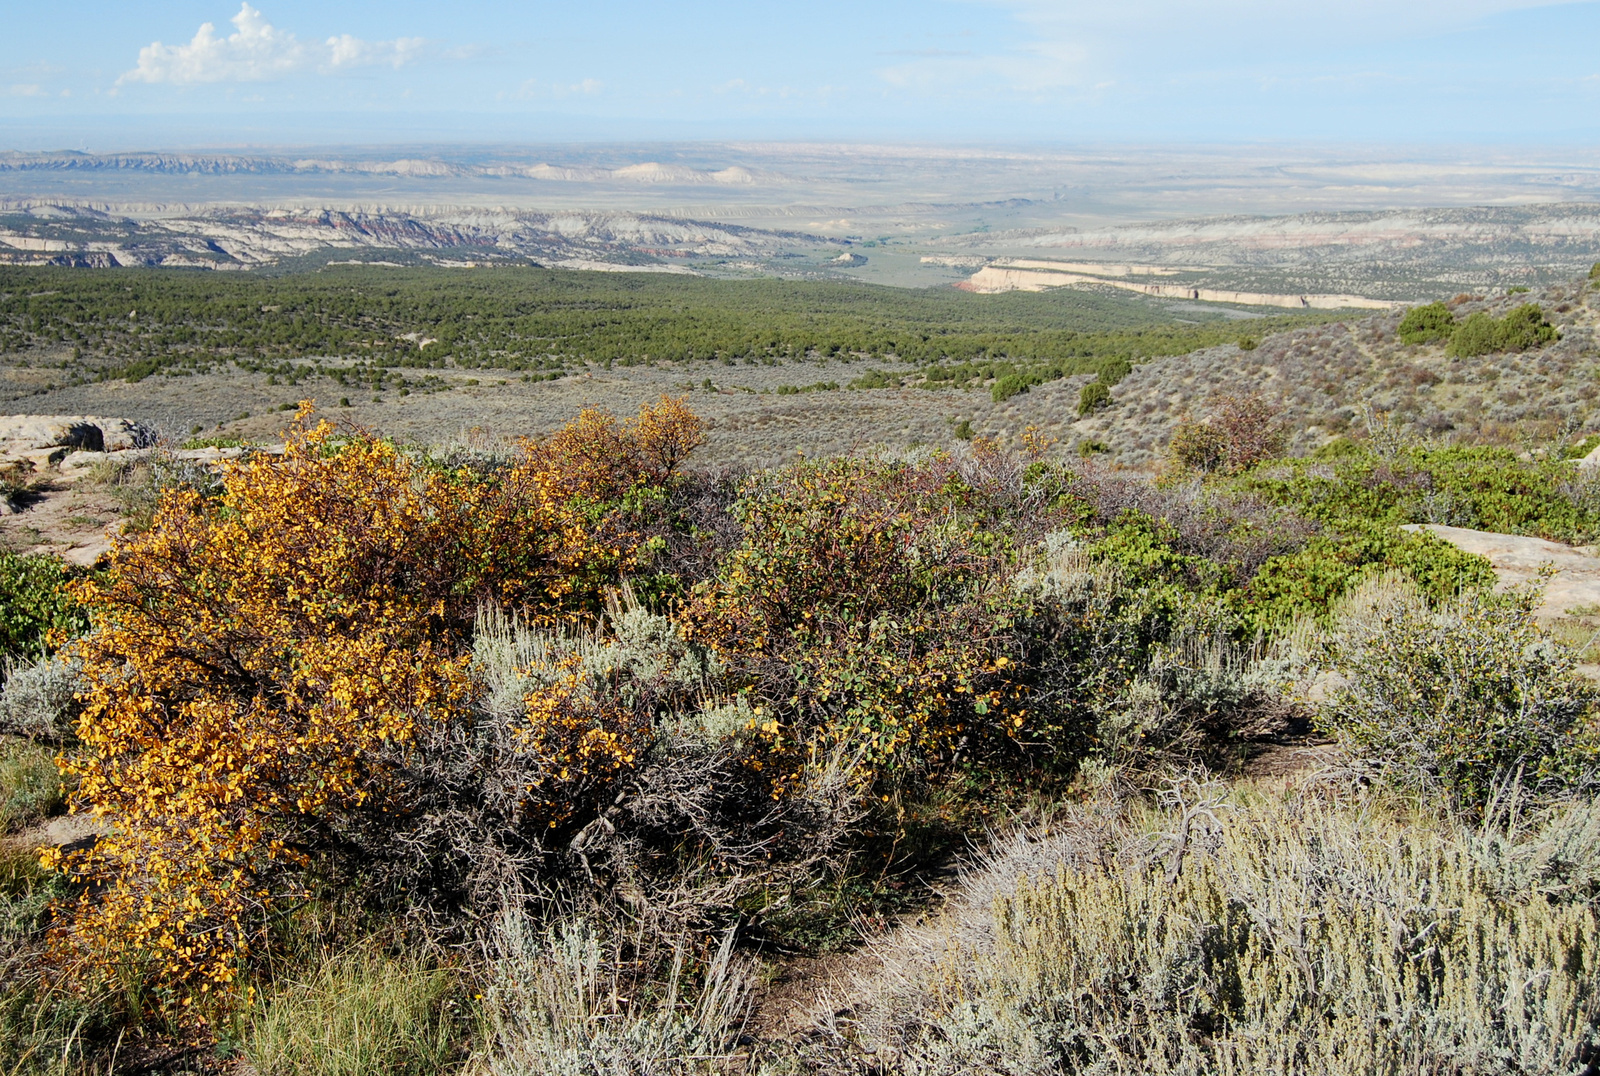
[{"x": 1323, "y": 377}]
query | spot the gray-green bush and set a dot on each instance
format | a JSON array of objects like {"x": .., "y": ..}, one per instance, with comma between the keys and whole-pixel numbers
[
  {"x": 559, "y": 1002},
  {"x": 1461, "y": 700},
  {"x": 1256, "y": 932},
  {"x": 38, "y": 701}
]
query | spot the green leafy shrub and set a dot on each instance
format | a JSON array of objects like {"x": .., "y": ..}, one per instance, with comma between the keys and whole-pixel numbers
[
  {"x": 1008, "y": 386},
  {"x": 860, "y": 606},
  {"x": 34, "y": 602},
  {"x": 875, "y": 379},
  {"x": 1427, "y": 324},
  {"x": 1521, "y": 329},
  {"x": 1093, "y": 396},
  {"x": 1462, "y": 700},
  {"x": 1114, "y": 369},
  {"x": 1474, "y": 336}
]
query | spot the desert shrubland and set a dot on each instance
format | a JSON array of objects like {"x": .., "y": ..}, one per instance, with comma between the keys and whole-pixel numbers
[{"x": 531, "y": 757}]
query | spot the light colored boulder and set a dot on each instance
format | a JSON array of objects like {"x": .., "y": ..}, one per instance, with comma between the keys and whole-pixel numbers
[
  {"x": 1517, "y": 559},
  {"x": 27, "y": 433},
  {"x": 1590, "y": 463}
]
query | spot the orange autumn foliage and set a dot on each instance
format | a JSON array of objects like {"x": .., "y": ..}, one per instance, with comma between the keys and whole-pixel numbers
[
  {"x": 605, "y": 457},
  {"x": 262, "y": 661}
]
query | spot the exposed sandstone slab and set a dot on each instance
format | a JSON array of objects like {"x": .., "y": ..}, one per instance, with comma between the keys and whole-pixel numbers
[{"x": 1517, "y": 559}]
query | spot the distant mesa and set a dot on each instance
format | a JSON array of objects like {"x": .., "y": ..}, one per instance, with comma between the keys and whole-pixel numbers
[
  {"x": 649, "y": 172},
  {"x": 1029, "y": 275},
  {"x": 848, "y": 258},
  {"x": 210, "y": 237}
]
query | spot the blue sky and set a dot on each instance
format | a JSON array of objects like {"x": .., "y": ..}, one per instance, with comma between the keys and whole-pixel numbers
[{"x": 121, "y": 76}]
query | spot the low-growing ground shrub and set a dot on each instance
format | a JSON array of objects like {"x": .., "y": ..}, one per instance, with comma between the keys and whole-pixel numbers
[
  {"x": 1310, "y": 581},
  {"x": 220, "y": 441},
  {"x": 1244, "y": 933},
  {"x": 1462, "y": 700},
  {"x": 34, "y": 602},
  {"x": 1484, "y": 488}
]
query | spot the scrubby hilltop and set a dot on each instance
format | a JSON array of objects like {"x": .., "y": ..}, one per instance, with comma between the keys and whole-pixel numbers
[{"x": 1322, "y": 377}]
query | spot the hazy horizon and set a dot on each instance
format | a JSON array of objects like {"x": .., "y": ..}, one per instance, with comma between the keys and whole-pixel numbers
[{"x": 210, "y": 73}]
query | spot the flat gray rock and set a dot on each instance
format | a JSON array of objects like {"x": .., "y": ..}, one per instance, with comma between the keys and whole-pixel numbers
[{"x": 1517, "y": 559}]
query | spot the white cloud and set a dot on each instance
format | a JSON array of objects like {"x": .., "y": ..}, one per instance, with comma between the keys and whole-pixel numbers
[
  {"x": 27, "y": 89},
  {"x": 257, "y": 51}
]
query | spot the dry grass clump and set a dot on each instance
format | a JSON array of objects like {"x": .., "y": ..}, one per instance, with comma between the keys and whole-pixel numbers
[
  {"x": 1248, "y": 932},
  {"x": 30, "y": 786},
  {"x": 358, "y": 1013}
]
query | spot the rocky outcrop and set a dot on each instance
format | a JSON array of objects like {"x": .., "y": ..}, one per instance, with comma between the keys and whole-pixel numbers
[
  {"x": 46, "y": 439},
  {"x": 1576, "y": 580}
]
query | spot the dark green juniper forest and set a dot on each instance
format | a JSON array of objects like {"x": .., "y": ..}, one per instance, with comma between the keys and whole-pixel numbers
[
  {"x": 368, "y": 324},
  {"x": 1087, "y": 736}
]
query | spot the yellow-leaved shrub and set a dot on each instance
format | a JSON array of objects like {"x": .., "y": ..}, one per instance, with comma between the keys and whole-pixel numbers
[{"x": 261, "y": 663}]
